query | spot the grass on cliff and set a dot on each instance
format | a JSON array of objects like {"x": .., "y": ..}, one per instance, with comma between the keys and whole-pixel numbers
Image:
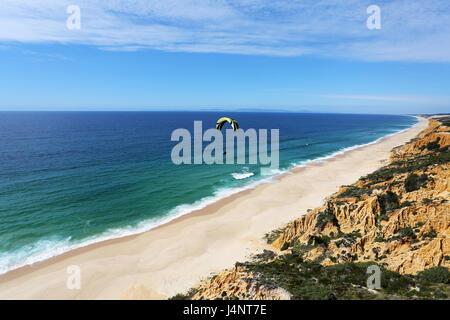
[
  {"x": 326, "y": 216},
  {"x": 415, "y": 182},
  {"x": 308, "y": 280},
  {"x": 186, "y": 296},
  {"x": 420, "y": 162},
  {"x": 274, "y": 234},
  {"x": 388, "y": 201},
  {"x": 445, "y": 121},
  {"x": 311, "y": 281},
  {"x": 433, "y": 145}
]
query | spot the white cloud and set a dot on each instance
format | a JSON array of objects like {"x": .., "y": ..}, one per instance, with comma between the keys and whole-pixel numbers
[{"x": 412, "y": 30}]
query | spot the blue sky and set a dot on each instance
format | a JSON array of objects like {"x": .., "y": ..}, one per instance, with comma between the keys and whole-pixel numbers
[{"x": 236, "y": 54}]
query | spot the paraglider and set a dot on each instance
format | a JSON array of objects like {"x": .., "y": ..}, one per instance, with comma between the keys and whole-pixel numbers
[{"x": 223, "y": 120}]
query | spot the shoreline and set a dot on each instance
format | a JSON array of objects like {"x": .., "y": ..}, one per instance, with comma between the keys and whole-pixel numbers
[
  {"x": 201, "y": 204},
  {"x": 151, "y": 224},
  {"x": 219, "y": 210}
]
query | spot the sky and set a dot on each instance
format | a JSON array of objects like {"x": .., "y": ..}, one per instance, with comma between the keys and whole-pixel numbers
[{"x": 287, "y": 55}]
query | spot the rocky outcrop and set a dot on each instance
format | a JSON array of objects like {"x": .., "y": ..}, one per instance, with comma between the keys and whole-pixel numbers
[
  {"x": 379, "y": 220},
  {"x": 238, "y": 284},
  {"x": 434, "y": 133}
]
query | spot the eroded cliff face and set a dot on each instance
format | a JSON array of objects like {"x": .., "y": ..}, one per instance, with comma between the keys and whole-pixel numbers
[
  {"x": 398, "y": 216},
  {"x": 240, "y": 284}
]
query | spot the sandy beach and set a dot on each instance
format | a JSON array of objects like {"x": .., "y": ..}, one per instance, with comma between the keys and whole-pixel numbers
[{"x": 174, "y": 257}]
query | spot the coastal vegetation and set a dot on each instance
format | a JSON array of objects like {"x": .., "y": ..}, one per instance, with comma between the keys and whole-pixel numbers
[{"x": 395, "y": 219}]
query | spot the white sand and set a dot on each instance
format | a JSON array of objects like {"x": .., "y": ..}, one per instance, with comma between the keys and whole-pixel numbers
[{"x": 174, "y": 257}]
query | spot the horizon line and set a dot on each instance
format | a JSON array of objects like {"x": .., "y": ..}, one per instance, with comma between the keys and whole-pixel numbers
[{"x": 224, "y": 110}]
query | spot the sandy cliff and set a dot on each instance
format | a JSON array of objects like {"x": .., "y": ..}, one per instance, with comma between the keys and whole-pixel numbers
[{"x": 398, "y": 217}]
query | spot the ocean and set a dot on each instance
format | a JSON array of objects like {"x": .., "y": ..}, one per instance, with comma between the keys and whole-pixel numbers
[{"x": 69, "y": 179}]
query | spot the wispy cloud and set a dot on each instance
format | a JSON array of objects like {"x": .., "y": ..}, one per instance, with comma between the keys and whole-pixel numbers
[
  {"x": 39, "y": 56},
  {"x": 412, "y": 30}
]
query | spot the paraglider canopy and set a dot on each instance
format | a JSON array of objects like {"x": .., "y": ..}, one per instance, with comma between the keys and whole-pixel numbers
[{"x": 223, "y": 120}]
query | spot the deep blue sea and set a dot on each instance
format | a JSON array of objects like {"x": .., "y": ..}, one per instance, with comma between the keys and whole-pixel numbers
[{"x": 68, "y": 179}]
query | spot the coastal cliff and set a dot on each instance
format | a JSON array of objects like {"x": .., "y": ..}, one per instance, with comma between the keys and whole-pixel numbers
[{"x": 397, "y": 218}]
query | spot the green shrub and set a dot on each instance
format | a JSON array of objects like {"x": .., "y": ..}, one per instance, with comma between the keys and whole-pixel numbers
[
  {"x": 274, "y": 234},
  {"x": 186, "y": 296},
  {"x": 266, "y": 255},
  {"x": 435, "y": 275},
  {"x": 354, "y": 234},
  {"x": 414, "y": 182},
  {"x": 324, "y": 240},
  {"x": 433, "y": 145},
  {"x": 445, "y": 121},
  {"x": 352, "y": 191},
  {"x": 440, "y": 156},
  {"x": 406, "y": 204},
  {"x": 388, "y": 201},
  {"x": 395, "y": 183},
  {"x": 285, "y": 246},
  {"x": 407, "y": 233},
  {"x": 326, "y": 216},
  {"x": 430, "y": 234},
  {"x": 309, "y": 280}
]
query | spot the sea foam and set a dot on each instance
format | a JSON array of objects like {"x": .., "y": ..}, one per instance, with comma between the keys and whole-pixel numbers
[{"x": 48, "y": 248}]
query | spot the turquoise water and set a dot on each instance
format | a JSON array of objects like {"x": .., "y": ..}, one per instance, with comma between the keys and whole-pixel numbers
[{"x": 68, "y": 179}]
